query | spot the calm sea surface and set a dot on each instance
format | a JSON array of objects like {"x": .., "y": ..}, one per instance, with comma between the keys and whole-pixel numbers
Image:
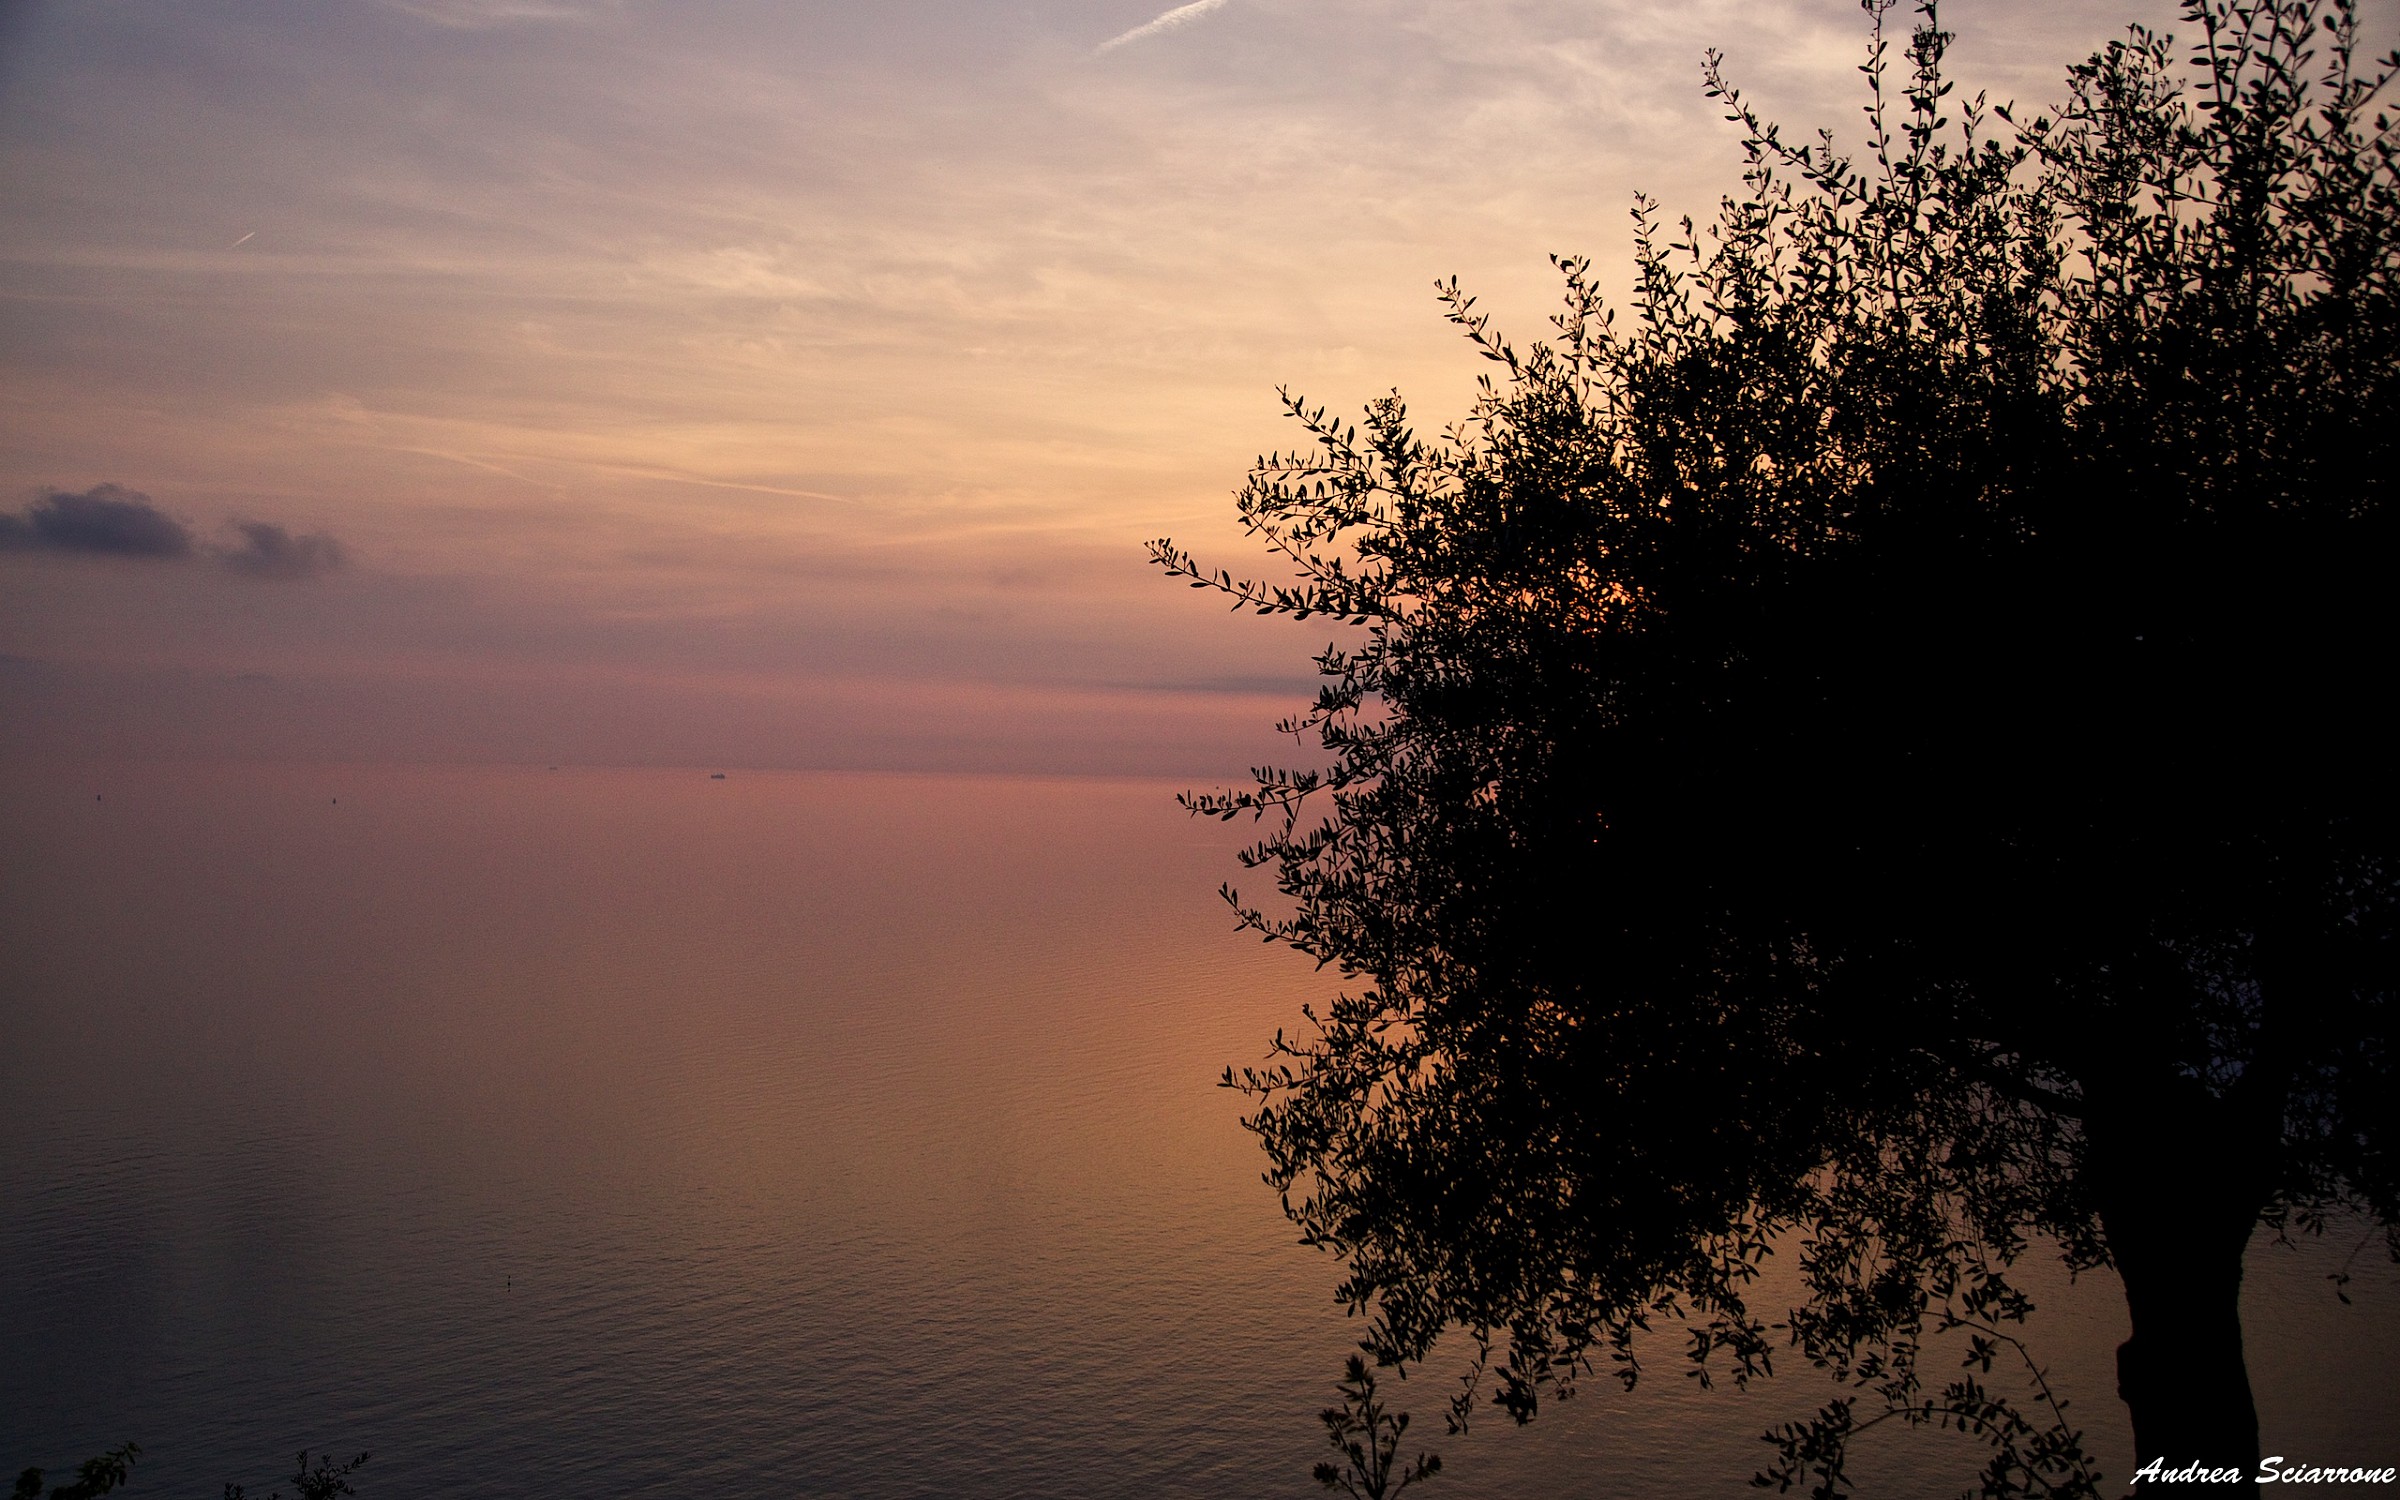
[{"x": 635, "y": 1133}]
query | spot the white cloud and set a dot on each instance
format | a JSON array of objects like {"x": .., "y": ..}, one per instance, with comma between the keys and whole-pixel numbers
[
  {"x": 1181, "y": 15},
  {"x": 481, "y": 15}
]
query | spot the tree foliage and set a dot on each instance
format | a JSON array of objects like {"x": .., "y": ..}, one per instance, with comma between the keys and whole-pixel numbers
[
  {"x": 1878, "y": 753},
  {"x": 327, "y": 1481},
  {"x": 1367, "y": 1436},
  {"x": 95, "y": 1477}
]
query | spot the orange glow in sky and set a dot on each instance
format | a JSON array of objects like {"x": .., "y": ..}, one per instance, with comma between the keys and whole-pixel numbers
[{"x": 781, "y": 383}]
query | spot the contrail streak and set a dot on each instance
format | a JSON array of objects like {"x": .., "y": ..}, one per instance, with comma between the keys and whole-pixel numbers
[{"x": 1181, "y": 15}]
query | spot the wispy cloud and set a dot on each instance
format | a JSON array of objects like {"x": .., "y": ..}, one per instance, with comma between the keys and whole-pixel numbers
[
  {"x": 1181, "y": 15},
  {"x": 482, "y": 15},
  {"x": 566, "y": 317}
]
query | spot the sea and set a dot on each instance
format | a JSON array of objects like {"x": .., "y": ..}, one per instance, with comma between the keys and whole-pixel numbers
[{"x": 587, "y": 1132}]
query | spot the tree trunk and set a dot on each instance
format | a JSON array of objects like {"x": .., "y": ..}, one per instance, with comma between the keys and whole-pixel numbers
[{"x": 2178, "y": 1195}]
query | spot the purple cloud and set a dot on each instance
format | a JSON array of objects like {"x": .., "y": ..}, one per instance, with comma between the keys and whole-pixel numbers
[
  {"x": 269, "y": 551},
  {"x": 107, "y": 518}
]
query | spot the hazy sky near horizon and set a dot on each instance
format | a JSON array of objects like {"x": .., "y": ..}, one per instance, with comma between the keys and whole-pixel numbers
[{"x": 773, "y": 383}]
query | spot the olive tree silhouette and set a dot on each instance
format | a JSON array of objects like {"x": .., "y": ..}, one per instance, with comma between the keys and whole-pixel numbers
[
  {"x": 327, "y": 1481},
  {"x": 95, "y": 1477},
  {"x": 1367, "y": 1435},
  {"x": 114, "y": 1469},
  {"x": 1878, "y": 755}
]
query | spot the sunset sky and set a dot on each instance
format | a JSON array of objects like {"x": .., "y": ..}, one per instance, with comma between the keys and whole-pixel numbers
[{"x": 782, "y": 383}]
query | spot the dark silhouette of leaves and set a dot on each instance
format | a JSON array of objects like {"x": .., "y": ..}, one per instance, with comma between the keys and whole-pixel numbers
[{"x": 1877, "y": 755}]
